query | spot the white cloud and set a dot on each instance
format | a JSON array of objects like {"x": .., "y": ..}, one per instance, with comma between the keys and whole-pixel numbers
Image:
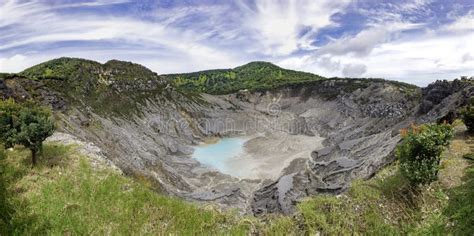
[
  {"x": 354, "y": 70},
  {"x": 15, "y": 63},
  {"x": 384, "y": 50},
  {"x": 204, "y": 36},
  {"x": 39, "y": 24},
  {"x": 424, "y": 57},
  {"x": 419, "y": 60},
  {"x": 365, "y": 41},
  {"x": 386, "y": 11},
  {"x": 466, "y": 57},
  {"x": 461, "y": 24},
  {"x": 278, "y": 25}
]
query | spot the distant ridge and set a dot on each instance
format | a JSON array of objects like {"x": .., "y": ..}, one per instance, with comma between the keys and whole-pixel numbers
[
  {"x": 87, "y": 75},
  {"x": 252, "y": 76}
]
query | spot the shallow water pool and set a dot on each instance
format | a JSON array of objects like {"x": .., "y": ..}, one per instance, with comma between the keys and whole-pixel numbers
[
  {"x": 218, "y": 155},
  {"x": 264, "y": 157}
]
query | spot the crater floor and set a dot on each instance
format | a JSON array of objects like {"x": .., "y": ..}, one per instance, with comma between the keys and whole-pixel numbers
[{"x": 256, "y": 157}]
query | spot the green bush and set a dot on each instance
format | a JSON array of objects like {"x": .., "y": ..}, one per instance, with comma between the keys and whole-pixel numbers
[
  {"x": 467, "y": 115},
  {"x": 420, "y": 151},
  {"x": 9, "y": 111}
]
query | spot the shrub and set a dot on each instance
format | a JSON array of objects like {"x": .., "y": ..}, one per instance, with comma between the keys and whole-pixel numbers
[
  {"x": 9, "y": 111},
  {"x": 26, "y": 124},
  {"x": 420, "y": 151},
  {"x": 467, "y": 115}
]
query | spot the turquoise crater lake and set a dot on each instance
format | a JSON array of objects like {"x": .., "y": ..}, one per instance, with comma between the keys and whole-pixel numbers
[
  {"x": 256, "y": 157},
  {"x": 218, "y": 155}
]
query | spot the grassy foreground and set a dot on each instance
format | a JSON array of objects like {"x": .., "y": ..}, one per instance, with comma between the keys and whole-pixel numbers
[
  {"x": 65, "y": 194},
  {"x": 387, "y": 205}
]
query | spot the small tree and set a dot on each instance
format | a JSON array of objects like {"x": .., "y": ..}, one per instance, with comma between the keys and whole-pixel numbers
[
  {"x": 27, "y": 124},
  {"x": 420, "y": 151}
]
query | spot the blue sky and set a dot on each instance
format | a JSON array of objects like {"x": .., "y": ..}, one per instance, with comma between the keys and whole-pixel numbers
[{"x": 413, "y": 41}]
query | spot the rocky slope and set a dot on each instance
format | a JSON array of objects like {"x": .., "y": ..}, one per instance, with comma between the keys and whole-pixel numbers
[{"x": 147, "y": 127}]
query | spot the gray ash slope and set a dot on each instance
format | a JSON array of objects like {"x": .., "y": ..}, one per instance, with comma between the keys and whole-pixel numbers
[{"x": 147, "y": 127}]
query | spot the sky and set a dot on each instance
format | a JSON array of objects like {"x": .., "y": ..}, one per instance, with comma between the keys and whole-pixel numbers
[{"x": 415, "y": 41}]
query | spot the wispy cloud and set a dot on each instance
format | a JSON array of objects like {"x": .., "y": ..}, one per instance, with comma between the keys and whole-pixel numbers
[
  {"x": 365, "y": 41},
  {"x": 286, "y": 26},
  {"x": 45, "y": 26},
  {"x": 414, "y": 41}
]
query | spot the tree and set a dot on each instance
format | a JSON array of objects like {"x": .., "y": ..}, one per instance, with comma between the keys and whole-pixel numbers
[
  {"x": 9, "y": 112},
  {"x": 420, "y": 151},
  {"x": 26, "y": 124}
]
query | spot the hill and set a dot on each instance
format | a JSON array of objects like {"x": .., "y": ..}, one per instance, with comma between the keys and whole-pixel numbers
[
  {"x": 251, "y": 76},
  {"x": 76, "y": 68},
  {"x": 115, "y": 86}
]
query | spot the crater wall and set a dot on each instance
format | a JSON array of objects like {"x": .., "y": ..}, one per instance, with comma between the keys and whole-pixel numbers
[{"x": 358, "y": 120}]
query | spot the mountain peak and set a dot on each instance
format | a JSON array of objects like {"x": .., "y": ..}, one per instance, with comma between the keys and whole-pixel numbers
[
  {"x": 77, "y": 68},
  {"x": 258, "y": 64},
  {"x": 62, "y": 68},
  {"x": 254, "y": 75}
]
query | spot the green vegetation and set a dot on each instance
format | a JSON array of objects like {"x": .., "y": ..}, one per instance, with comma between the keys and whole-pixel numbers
[
  {"x": 5, "y": 207},
  {"x": 260, "y": 76},
  {"x": 420, "y": 151},
  {"x": 389, "y": 204},
  {"x": 5, "y": 75},
  {"x": 252, "y": 76},
  {"x": 467, "y": 115},
  {"x": 461, "y": 208},
  {"x": 25, "y": 124},
  {"x": 114, "y": 87},
  {"x": 65, "y": 194},
  {"x": 9, "y": 110},
  {"x": 62, "y": 69},
  {"x": 353, "y": 212},
  {"x": 74, "y": 69}
]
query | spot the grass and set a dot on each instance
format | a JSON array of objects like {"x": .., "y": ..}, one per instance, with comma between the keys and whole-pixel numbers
[
  {"x": 459, "y": 213},
  {"x": 64, "y": 194},
  {"x": 388, "y": 205},
  {"x": 357, "y": 211}
]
